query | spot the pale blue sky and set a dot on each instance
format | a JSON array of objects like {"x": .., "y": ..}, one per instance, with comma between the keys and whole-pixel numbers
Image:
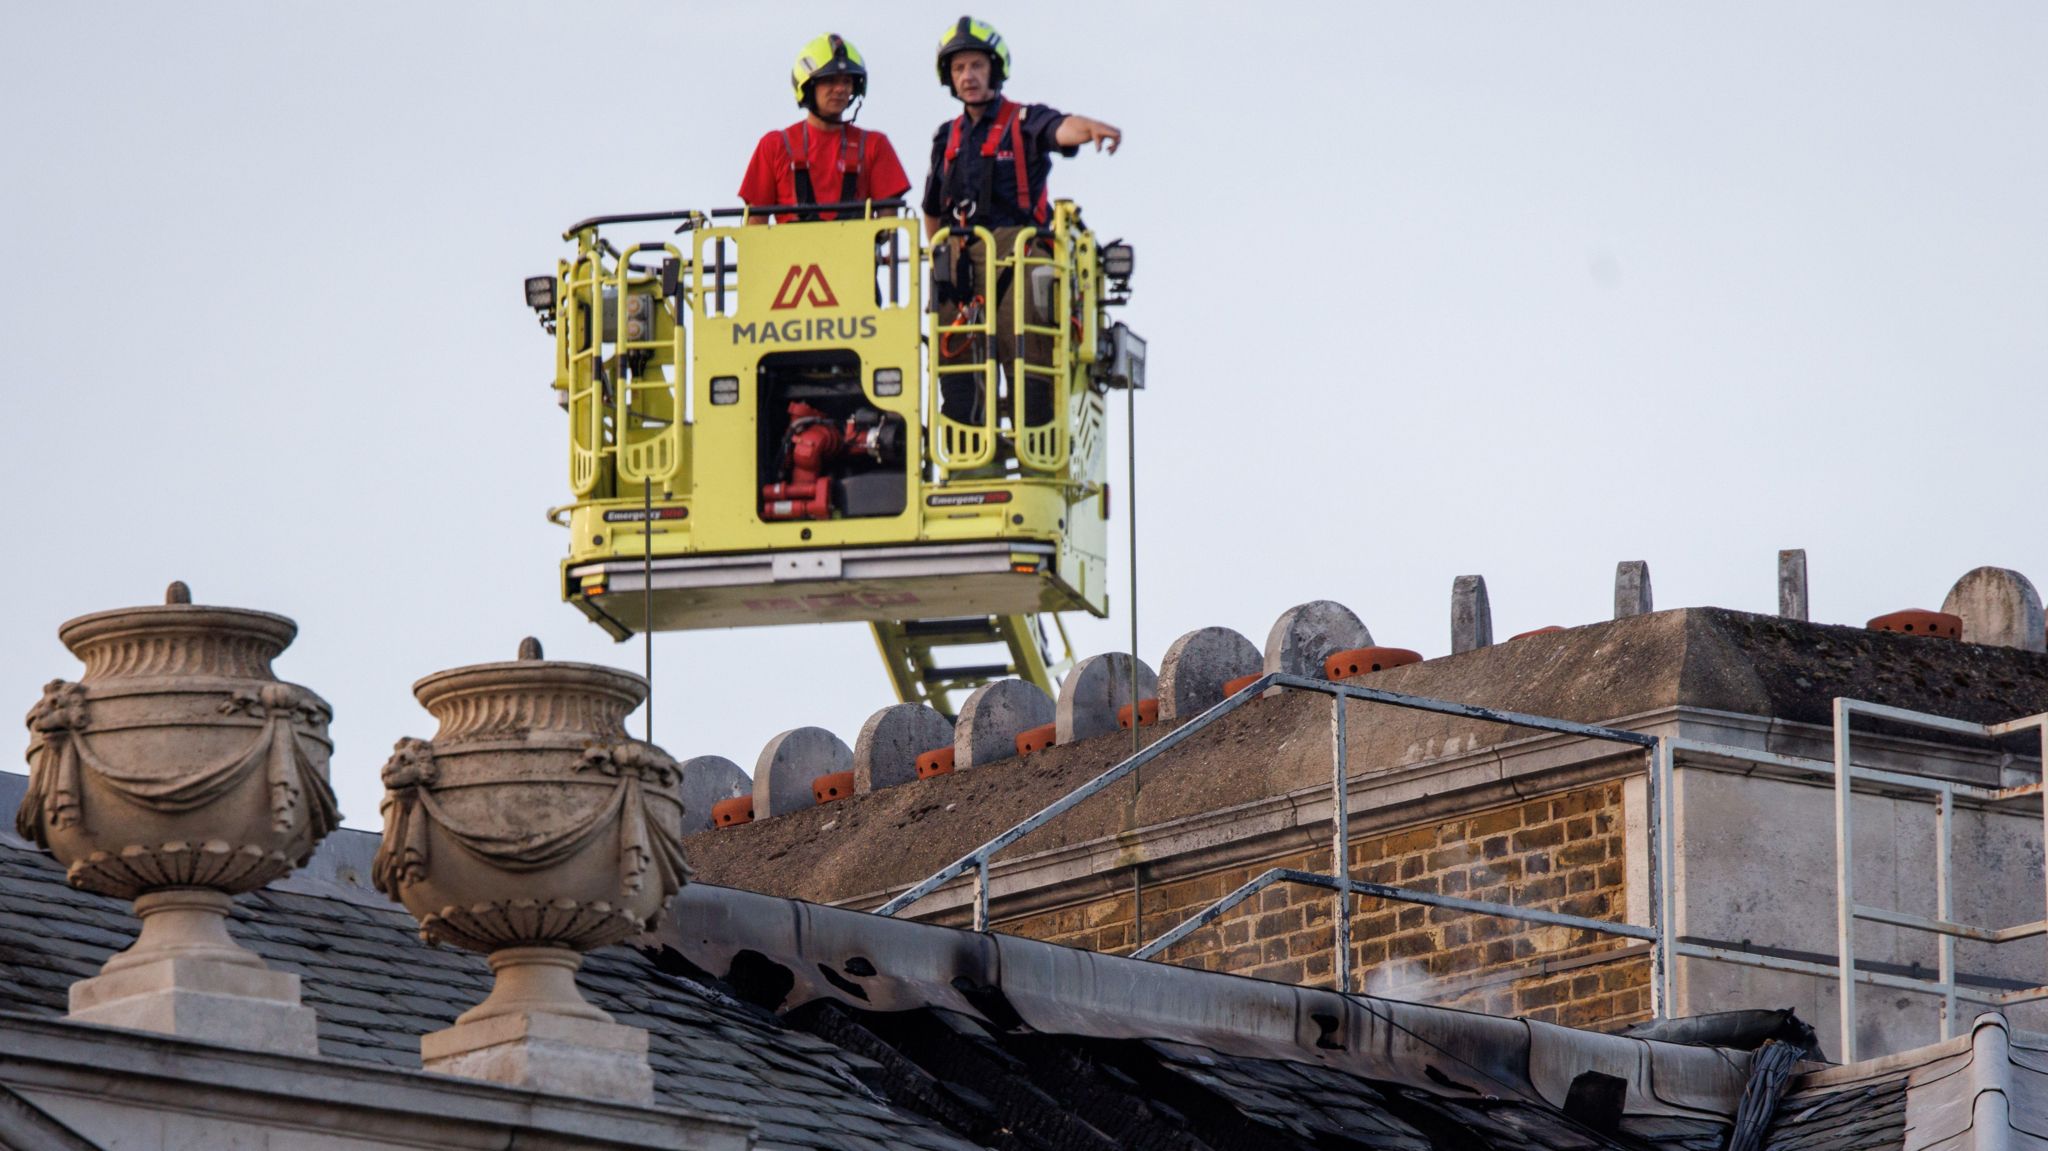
[{"x": 1513, "y": 289}]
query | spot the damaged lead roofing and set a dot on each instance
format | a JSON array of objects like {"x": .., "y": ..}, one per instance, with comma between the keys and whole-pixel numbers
[{"x": 830, "y": 1029}]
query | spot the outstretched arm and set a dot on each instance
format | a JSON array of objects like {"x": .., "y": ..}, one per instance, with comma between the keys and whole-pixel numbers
[{"x": 1077, "y": 130}]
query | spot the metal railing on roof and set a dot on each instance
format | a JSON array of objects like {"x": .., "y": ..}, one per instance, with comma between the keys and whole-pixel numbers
[
  {"x": 978, "y": 859},
  {"x": 1848, "y": 911},
  {"x": 1661, "y": 932}
]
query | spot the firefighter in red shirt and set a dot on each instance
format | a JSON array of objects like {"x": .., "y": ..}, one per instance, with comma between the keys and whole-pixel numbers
[
  {"x": 988, "y": 170},
  {"x": 823, "y": 158}
]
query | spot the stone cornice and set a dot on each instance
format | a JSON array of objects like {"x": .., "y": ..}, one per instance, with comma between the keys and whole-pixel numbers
[{"x": 52, "y": 1061}]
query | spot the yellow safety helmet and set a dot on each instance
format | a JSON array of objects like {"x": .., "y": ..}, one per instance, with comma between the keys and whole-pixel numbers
[
  {"x": 828, "y": 55},
  {"x": 971, "y": 35}
]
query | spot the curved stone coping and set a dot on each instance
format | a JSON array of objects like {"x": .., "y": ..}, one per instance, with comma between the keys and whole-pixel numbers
[
  {"x": 706, "y": 780},
  {"x": 1092, "y": 693},
  {"x": 992, "y": 717},
  {"x": 1196, "y": 667},
  {"x": 1998, "y": 606},
  {"x": 885, "y": 753},
  {"x": 790, "y": 763},
  {"x": 1307, "y": 634}
]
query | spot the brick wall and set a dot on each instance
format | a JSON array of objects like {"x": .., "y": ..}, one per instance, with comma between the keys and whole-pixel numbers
[{"x": 1561, "y": 853}]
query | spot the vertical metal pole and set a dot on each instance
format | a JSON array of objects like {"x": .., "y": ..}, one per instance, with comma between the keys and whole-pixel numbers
[
  {"x": 1944, "y": 838},
  {"x": 981, "y": 894},
  {"x": 1137, "y": 728},
  {"x": 2044, "y": 801},
  {"x": 1653, "y": 821},
  {"x": 647, "y": 594},
  {"x": 1340, "y": 838},
  {"x": 1664, "y": 883},
  {"x": 1845, "y": 887},
  {"x": 1138, "y": 903},
  {"x": 1131, "y": 502}
]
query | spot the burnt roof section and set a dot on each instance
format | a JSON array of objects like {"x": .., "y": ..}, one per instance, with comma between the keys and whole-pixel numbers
[
  {"x": 1282, "y": 1058},
  {"x": 823, "y": 1076},
  {"x": 1019, "y": 1089},
  {"x": 1709, "y": 658},
  {"x": 1017, "y": 1051}
]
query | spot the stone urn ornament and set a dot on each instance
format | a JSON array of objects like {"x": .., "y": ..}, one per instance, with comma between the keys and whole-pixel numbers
[
  {"x": 533, "y": 828},
  {"x": 179, "y": 772}
]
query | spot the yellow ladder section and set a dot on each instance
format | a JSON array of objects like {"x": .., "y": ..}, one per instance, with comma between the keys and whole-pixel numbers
[{"x": 910, "y": 649}]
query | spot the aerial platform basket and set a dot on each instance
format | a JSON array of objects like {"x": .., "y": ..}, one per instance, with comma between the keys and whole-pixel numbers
[{"x": 769, "y": 423}]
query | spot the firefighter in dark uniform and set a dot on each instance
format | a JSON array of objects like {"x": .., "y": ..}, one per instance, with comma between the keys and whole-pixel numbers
[{"x": 988, "y": 170}]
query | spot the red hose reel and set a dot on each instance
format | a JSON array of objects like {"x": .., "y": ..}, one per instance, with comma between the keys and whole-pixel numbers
[{"x": 812, "y": 447}]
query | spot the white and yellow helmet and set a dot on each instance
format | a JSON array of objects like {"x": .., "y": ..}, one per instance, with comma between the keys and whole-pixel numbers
[
  {"x": 828, "y": 55},
  {"x": 970, "y": 35}
]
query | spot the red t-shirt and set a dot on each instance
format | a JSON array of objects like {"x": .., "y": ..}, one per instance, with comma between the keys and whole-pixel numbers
[{"x": 771, "y": 179}]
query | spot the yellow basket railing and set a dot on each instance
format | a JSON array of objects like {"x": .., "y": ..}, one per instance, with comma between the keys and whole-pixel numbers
[
  {"x": 1041, "y": 446},
  {"x": 717, "y": 280},
  {"x": 621, "y": 360},
  {"x": 1087, "y": 295},
  {"x": 647, "y": 419},
  {"x": 958, "y": 445},
  {"x": 578, "y": 354}
]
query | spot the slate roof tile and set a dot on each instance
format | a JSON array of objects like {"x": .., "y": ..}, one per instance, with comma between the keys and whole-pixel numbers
[
  {"x": 1870, "y": 1117},
  {"x": 376, "y": 988}
]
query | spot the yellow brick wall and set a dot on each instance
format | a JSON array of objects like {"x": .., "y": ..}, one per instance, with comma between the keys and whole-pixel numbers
[{"x": 1561, "y": 853}]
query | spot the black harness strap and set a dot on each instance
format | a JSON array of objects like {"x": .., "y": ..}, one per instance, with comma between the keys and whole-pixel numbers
[{"x": 849, "y": 172}]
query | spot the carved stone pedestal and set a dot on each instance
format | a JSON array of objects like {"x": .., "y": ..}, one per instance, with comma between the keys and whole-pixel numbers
[
  {"x": 537, "y": 1031},
  {"x": 579, "y": 1058},
  {"x": 185, "y": 977}
]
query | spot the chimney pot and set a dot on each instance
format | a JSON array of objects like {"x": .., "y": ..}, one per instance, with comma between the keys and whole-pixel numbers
[{"x": 1918, "y": 621}]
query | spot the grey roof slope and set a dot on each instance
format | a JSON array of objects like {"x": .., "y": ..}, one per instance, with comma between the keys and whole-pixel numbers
[
  {"x": 920, "y": 1074},
  {"x": 1984, "y": 1089},
  {"x": 376, "y": 988},
  {"x": 947, "y": 1039}
]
